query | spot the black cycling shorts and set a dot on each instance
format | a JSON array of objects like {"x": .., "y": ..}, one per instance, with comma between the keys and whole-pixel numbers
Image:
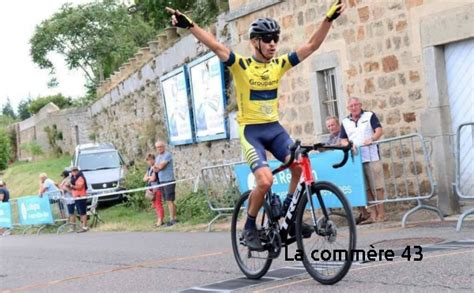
[{"x": 256, "y": 138}]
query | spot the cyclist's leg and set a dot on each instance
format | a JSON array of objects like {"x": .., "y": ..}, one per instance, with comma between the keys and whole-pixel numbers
[
  {"x": 279, "y": 147},
  {"x": 254, "y": 151},
  {"x": 263, "y": 179}
]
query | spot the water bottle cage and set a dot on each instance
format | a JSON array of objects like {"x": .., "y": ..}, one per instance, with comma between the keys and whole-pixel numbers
[{"x": 275, "y": 206}]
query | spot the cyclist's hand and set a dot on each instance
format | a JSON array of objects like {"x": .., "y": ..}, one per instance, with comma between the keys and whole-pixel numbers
[
  {"x": 179, "y": 19},
  {"x": 336, "y": 9}
]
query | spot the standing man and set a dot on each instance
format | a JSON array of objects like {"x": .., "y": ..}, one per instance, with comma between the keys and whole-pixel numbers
[
  {"x": 364, "y": 128},
  {"x": 256, "y": 81},
  {"x": 4, "y": 193},
  {"x": 164, "y": 168},
  {"x": 332, "y": 124},
  {"x": 79, "y": 192},
  {"x": 4, "y": 197}
]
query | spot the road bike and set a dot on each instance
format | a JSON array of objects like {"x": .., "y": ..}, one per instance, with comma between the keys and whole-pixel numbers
[{"x": 325, "y": 246}]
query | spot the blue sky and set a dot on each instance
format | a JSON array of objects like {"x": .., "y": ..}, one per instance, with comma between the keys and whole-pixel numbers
[{"x": 19, "y": 76}]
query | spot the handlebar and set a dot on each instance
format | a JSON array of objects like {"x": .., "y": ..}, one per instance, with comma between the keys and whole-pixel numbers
[{"x": 296, "y": 147}]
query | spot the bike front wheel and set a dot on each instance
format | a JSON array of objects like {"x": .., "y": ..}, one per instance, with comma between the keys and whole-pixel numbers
[
  {"x": 253, "y": 264},
  {"x": 327, "y": 251}
]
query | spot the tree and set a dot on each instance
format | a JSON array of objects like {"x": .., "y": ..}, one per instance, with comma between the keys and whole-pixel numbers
[
  {"x": 59, "y": 100},
  {"x": 96, "y": 38},
  {"x": 22, "y": 110},
  {"x": 7, "y": 109},
  {"x": 201, "y": 11},
  {"x": 4, "y": 149}
]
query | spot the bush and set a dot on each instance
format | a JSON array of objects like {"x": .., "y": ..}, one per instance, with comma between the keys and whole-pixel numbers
[
  {"x": 193, "y": 208},
  {"x": 134, "y": 179},
  {"x": 33, "y": 148},
  {"x": 4, "y": 149}
]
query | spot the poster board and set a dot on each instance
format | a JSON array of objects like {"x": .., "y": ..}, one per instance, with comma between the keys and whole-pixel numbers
[
  {"x": 206, "y": 75},
  {"x": 175, "y": 90}
]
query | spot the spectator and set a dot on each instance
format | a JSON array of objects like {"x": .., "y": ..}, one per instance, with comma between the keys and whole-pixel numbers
[
  {"x": 79, "y": 192},
  {"x": 4, "y": 197},
  {"x": 164, "y": 168},
  {"x": 49, "y": 187},
  {"x": 364, "y": 128},
  {"x": 46, "y": 184},
  {"x": 65, "y": 187},
  {"x": 332, "y": 124},
  {"x": 4, "y": 193},
  {"x": 151, "y": 178}
]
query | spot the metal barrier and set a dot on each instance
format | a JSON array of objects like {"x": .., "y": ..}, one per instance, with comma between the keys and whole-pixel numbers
[
  {"x": 406, "y": 173},
  {"x": 92, "y": 213},
  {"x": 59, "y": 203},
  {"x": 220, "y": 185},
  {"x": 407, "y": 176},
  {"x": 58, "y": 208},
  {"x": 464, "y": 178}
]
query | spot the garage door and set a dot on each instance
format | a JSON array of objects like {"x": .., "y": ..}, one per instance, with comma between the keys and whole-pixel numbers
[{"x": 459, "y": 59}]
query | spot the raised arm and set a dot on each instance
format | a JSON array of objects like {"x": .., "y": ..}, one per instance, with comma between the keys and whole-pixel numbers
[
  {"x": 321, "y": 32},
  {"x": 180, "y": 20}
]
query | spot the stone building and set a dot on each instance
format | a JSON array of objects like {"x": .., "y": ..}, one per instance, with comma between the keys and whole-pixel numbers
[{"x": 401, "y": 57}]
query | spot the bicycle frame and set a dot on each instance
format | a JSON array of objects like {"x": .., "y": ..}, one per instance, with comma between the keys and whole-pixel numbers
[{"x": 304, "y": 187}]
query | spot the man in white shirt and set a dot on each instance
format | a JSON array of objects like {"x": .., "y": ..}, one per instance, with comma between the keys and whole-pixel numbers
[{"x": 363, "y": 128}]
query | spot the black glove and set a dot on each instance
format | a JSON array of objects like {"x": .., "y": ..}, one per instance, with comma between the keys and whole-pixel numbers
[
  {"x": 333, "y": 11},
  {"x": 183, "y": 21}
]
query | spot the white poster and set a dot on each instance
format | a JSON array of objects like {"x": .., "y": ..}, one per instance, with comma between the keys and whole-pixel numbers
[
  {"x": 208, "y": 98},
  {"x": 177, "y": 108}
]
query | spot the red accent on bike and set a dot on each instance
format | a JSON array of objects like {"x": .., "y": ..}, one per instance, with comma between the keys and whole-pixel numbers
[{"x": 307, "y": 172}]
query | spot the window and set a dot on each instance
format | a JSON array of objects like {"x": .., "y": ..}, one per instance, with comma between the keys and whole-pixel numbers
[
  {"x": 329, "y": 102},
  {"x": 326, "y": 90}
]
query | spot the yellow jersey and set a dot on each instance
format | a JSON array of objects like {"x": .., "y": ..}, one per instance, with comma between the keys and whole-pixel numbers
[{"x": 256, "y": 86}]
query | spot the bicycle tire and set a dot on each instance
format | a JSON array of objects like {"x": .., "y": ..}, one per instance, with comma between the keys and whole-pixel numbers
[
  {"x": 235, "y": 235},
  {"x": 316, "y": 269}
]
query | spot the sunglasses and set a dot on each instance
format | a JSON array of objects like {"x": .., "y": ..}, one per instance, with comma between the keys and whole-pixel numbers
[{"x": 269, "y": 38}]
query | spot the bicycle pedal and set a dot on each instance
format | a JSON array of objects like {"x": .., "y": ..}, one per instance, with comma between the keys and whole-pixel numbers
[{"x": 290, "y": 240}]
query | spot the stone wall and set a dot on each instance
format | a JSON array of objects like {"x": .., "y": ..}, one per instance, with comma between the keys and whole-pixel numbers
[{"x": 65, "y": 121}]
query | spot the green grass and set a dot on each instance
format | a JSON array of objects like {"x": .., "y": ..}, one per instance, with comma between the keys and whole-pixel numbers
[
  {"x": 123, "y": 218},
  {"x": 22, "y": 177},
  {"x": 193, "y": 212}
]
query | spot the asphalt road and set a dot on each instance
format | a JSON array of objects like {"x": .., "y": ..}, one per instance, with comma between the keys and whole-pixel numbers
[{"x": 172, "y": 261}]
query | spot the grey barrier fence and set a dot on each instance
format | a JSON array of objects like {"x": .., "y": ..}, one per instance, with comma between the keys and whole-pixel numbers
[
  {"x": 58, "y": 203},
  {"x": 407, "y": 173},
  {"x": 220, "y": 184},
  {"x": 407, "y": 176},
  {"x": 464, "y": 177},
  {"x": 58, "y": 211}
]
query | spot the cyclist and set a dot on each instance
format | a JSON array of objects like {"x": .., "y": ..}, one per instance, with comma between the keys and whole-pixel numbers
[{"x": 256, "y": 82}]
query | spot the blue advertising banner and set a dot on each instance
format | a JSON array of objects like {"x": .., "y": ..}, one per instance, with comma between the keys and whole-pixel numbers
[
  {"x": 5, "y": 215},
  {"x": 349, "y": 178},
  {"x": 34, "y": 210}
]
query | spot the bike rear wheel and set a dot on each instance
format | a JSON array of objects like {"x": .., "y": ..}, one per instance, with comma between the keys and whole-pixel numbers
[
  {"x": 327, "y": 254},
  {"x": 253, "y": 264}
]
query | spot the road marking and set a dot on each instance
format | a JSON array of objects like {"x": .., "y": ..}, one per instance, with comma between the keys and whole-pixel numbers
[
  {"x": 118, "y": 269},
  {"x": 206, "y": 290},
  {"x": 362, "y": 268}
]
